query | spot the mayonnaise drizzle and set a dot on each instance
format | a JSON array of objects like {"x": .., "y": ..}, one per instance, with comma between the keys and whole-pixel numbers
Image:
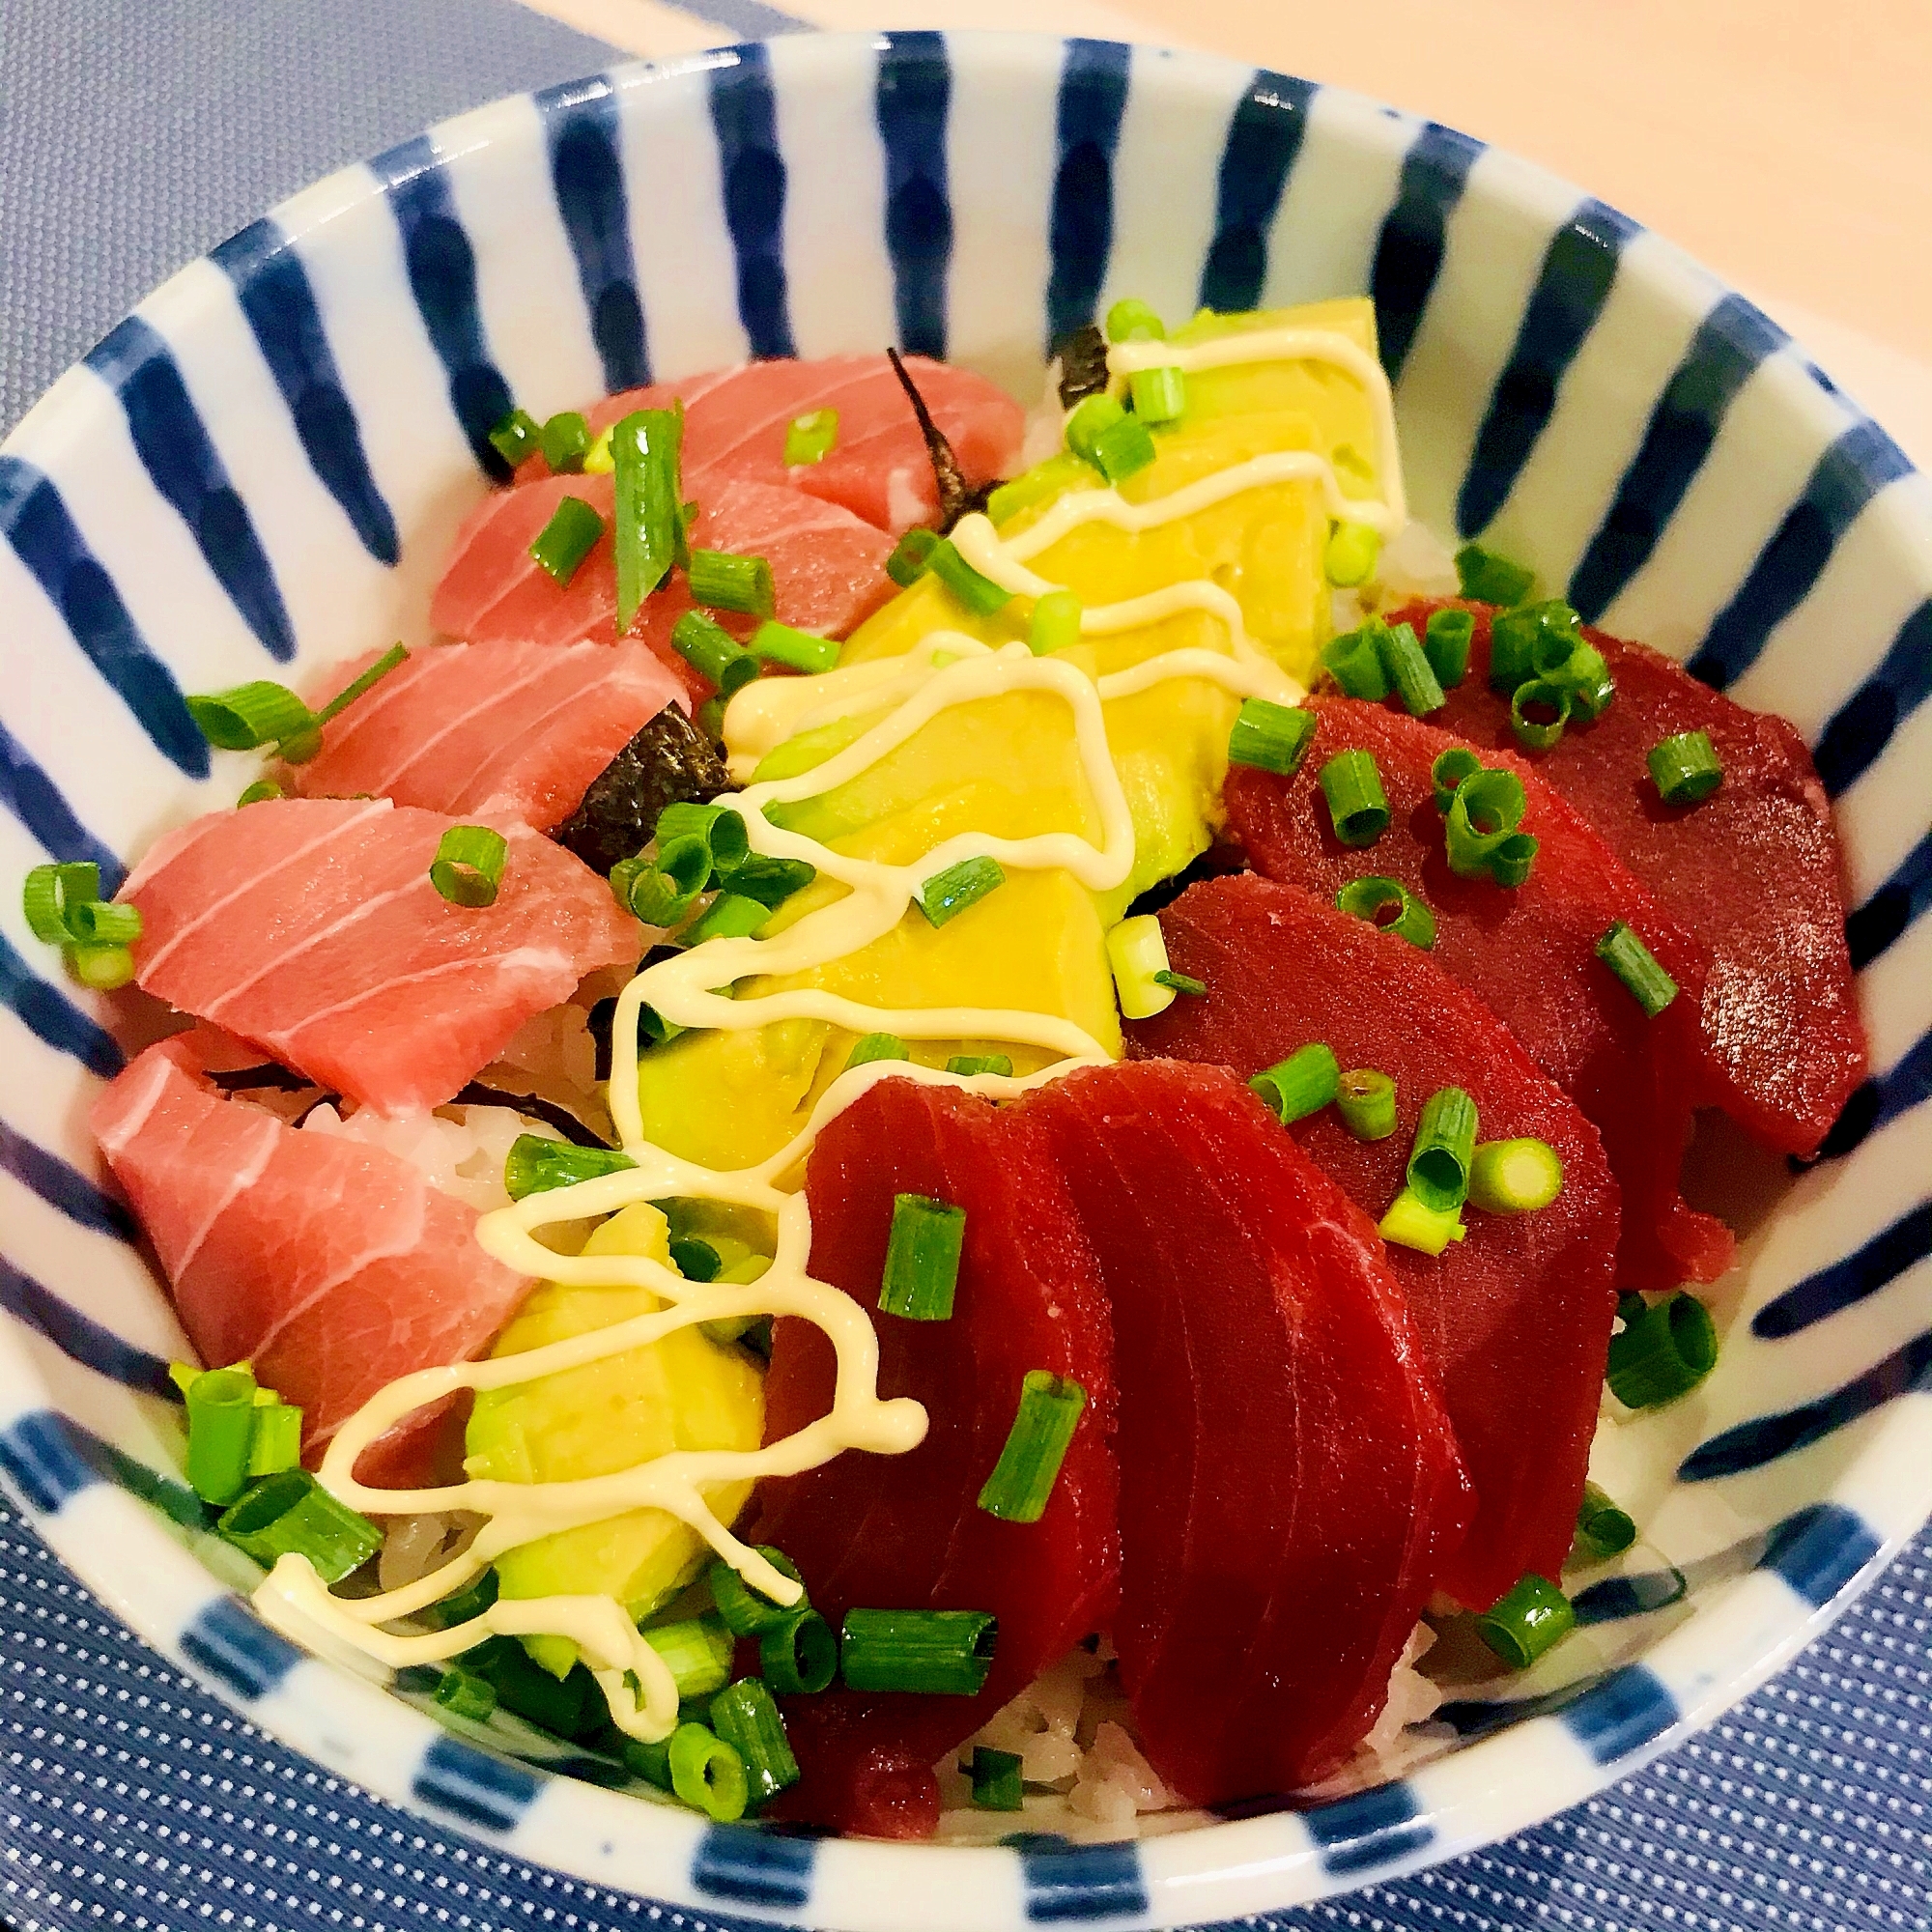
[{"x": 946, "y": 669}]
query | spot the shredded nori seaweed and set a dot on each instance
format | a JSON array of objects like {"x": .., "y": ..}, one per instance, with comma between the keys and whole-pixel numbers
[
  {"x": 1216, "y": 862},
  {"x": 670, "y": 761},
  {"x": 1083, "y": 364},
  {"x": 957, "y": 495},
  {"x": 534, "y": 1106},
  {"x": 256, "y": 1079}
]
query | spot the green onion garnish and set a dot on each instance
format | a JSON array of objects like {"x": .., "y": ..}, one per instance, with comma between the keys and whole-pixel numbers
[
  {"x": 1530, "y": 641},
  {"x": 517, "y": 438},
  {"x": 810, "y": 438},
  {"x": 102, "y": 969},
  {"x": 911, "y": 555},
  {"x": 1514, "y": 1176},
  {"x": 1538, "y": 734},
  {"x": 1354, "y": 661},
  {"x": 779, "y": 644},
  {"x": 292, "y": 1514},
  {"x": 644, "y": 448},
  {"x": 729, "y": 916},
  {"x": 465, "y": 1694},
  {"x": 1365, "y": 1100},
  {"x": 996, "y": 1779},
  {"x": 1300, "y": 1085},
  {"x": 713, "y": 652},
  {"x": 725, "y": 580},
  {"x": 1348, "y": 557},
  {"x": 922, "y": 1252},
  {"x": 1055, "y": 624},
  {"x": 1410, "y": 671},
  {"x": 1131, "y": 320},
  {"x": 745, "y": 1717},
  {"x": 1635, "y": 964},
  {"x": 1389, "y": 905},
  {"x": 1357, "y": 806},
  {"x": 102, "y": 923},
  {"x": 709, "y": 1774},
  {"x": 251, "y": 716},
  {"x": 1181, "y": 982},
  {"x": 1122, "y": 450},
  {"x": 535, "y": 1165},
  {"x": 770, "y": 881},
  {"x": 220, "y": 1426},
  {"x": 1479, "y": 833},
  {"x": 1489, "y": 578},
  {"x": 258, "y": 793},
  {"x": 1036, "y": 1447},
  {"x": 1445, "y": 1143},
  {"x": 567, "y": 539},
  {"x": 695, "y": 1260},
  {"x": 653, "y": 1029},
  {"x": 1530, "y": 1620},
  {"x": 1410, "y": 1224},
  {"x": 747, "y": 1611},
  {"x": 799, "y": 1656},
  {"x": 1090, "y": 418},
  {"x": 565, "y": 441},
  {"x": 1449, "y": 771},
  {"x": 1137, "y": 954},
  {"x": 949, "y": 893},
  {"x": 872, "y": 1046},
  {"x": 1445, "y": 644},
  {"x": 698, "y": 1653},
  {"x": 1270, "y": 737},
  {"x": 274, "y": 1440},
  {"x": 1603, "y": 1530},
  {"x": 465, "y": 1605},
  {"x": 51, "y": 896},
  {"x": 981, "y": 595},
  {"x": 727, "y": 841},
  {"x": 1684, "y": 769},
  {"x": 938, "y": 1653},
  {"x": 1159, "y": 394},
  {"x": 1665, "y": 1349},
  {"x": 469, "y": 865},
  {"x": 1561, "y": 655},
  {"x": 390, "y": 659},
  {"x": 969, "y": 1065},
  {"x": 661, "y": 891},
  {"x": 1039, "y": 484}
]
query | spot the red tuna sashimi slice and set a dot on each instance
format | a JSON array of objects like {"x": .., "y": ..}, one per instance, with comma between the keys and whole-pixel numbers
[
  {"x": 1529, "y": 954},
  {"x": 905, "y": 1531},
  {"x": 334, "y": 1267},
  {"x": 1753, "y": 872},
  {"x": 735, "y": 422},
  {"x": 1516, "y": 1318},
  {"x": 1290, "y": 1487},
  {"x": 310, "y": 928},
  {"x": 515, "y": 729}
]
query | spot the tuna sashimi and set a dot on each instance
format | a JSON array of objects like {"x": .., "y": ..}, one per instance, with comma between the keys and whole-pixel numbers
[
  {"x": 1290, "y": 1487},
  {"x": 310, "y": 928},
  {"x": 1753, "y": 872},
  {"x": 332, "y": 1265},
  {"x": 735, "y": 422},
  {"x": 515, "y": 729},
  {"x": 1529, "y": 954},
  {"x": 905, "y": 1531},
  {"x": 1516, "y": 1318}
]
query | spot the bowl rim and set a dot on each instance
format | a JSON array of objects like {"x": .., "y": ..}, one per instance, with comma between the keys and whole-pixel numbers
[{"x": 1810, "y": 1568}]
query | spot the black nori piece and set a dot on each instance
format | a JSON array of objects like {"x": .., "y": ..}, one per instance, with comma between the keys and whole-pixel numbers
[
  {"x": 1083, "y": 364},
  {"x": 670, "y": 761},
  {"x": 957, "y": 495}
]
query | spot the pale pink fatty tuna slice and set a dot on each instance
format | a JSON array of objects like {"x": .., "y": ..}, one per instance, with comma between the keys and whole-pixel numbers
[
  {"x": 332, "y": 1265},
  {"x": 310, "y": 928},
  {"x": 516, "y": 729}
]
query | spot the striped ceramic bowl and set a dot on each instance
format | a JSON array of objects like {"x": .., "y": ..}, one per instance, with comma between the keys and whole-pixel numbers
[{"x": 262, "y": 466}]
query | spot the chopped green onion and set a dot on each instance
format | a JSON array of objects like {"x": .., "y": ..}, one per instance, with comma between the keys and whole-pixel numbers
[
  {"x": 1137, "y": 951},
  {"x": 1390, "y": 906},
  {"x": 1511, "y": 862},
  {"x": 936, "y": 1653},
  {"x": 695, "y": 1260},
  {"x": 465, "y": 1694},
  {"x": 274, "y": 1438},
  {"x": 1300, "y": 1085},
  {"x": 922, "y": 1251},
  {"x": 53, "y": 895},
  {"x": 1412, "y": 1224},
  {"x": 708, "y": 1773},
  {"x": 950, "y": 891},
  {"x": 463, "y": 1606},
  {"x": 1449, "y": 771},
  {"x": 1523, "y": 640},
  {"x": 517, "y": 438},
  {"x": 469, "y": 865},
  {"x": 780, "y": 643},
  {"x": 661, "y": 891},
  {"x": 650, "y": 1762},
  {"x": 1603, "y": 1530},
  {"x": 1591, "y": 692},
  {"x": 1480, "y": 834},
  {"x": 258, "y": 793},
  {"x": 748, "y": 1611},
  {"x": 1489, "y": 578},
  {"x": 745, "y": 1717},
  {"x": 1445, "y": 1143},
  {"x": 1408, "y": 670},
  {"x": 1562, "y": 656},
  {"x": 810, "y": 438},
  {"x": 1090, "y": 418},
  {"x": 1445, "y": 644},
  {"x": 102, "y": 969},
  {"x": 1357, "y": 806},
  {"x": 1036, "y": 1447},
  {"x": 1636, "y": 966},
  {"x": 292, "y": 1514},
  {"x": 1365, "y": 1100},
  {"x": 1349, "y": 556},
  {"x": 1038, "y": 485},
  {"x": 644, "y": 447},
  {"x": 1122, "y": 450},
  {"x": 996, "y": 1779},
  {"x": 1056, "y": 623},
  {"x": 250, "y": 716},
  {"x": 1356, "y": 662},
  {"x": 696, "y": 1652},
  {"x": 390, "y": 660},
  {"x": 799, "y": 1656},
  {"x": 1514, "y": 1176},
  {"x": 770, "y": 881},
  {"x": 1183, "y": 982},
  {"x": 1131, "y": 320},
  {"x": 729, "y": 916},
  {"x": 911, "y": 555},
  {"x": 1538, "y": 734},
  {"x": 1684, "y": 768},
  {"x": 1159, "y": 394},
  {"x": 725, "y": 580},
  {"x": 565, "y": 440},
  {"x": 567, "y": 539},
  {"x": 981, "y": 595},
  {"x": 102, "y": 923},
  {"x": 727, "y": 840},
  {"x": 872, "y": 1046},
  {"x": 1530, "y": 1620},
  {"x": 653, "y": 1029},
  {"x": 535, "y": 1165},
  {"x": 713, "y": 652},
  {"x": 970, "y": 1065},
  {"x": 1665, "y": 1349},
  {"x": 1270, "y": 737},
  {"x": 570, "y": 1706},
  {"x": 220, "y": 1426}
]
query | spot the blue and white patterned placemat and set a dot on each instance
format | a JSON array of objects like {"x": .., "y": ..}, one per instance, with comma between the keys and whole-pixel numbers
[{"x": 134, "y": 134}]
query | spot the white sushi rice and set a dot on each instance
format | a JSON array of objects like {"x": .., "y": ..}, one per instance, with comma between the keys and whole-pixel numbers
[{"x": 459, "y": 1151}]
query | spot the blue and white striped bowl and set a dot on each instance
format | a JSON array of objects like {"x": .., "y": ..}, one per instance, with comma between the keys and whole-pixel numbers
[{"x": 264, "y": 465}]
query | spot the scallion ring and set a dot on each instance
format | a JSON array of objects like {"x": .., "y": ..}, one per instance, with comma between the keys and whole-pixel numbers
[
  {"x": 1359, "y": 807},
  {"x": 468, "y": 869},
  {"x": 1684, "y": 768},
  {"x": 1302, "y": 1084},
  {"x": 1539, "y": 695},
  {"x": 1365, "y": 1100},
  {"x": 1389, "y": 904},
  {"x": 1035, "y": 1445}
]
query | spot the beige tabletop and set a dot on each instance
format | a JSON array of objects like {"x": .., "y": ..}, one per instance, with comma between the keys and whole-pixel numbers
[{"x": 1787, "y": 143}]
